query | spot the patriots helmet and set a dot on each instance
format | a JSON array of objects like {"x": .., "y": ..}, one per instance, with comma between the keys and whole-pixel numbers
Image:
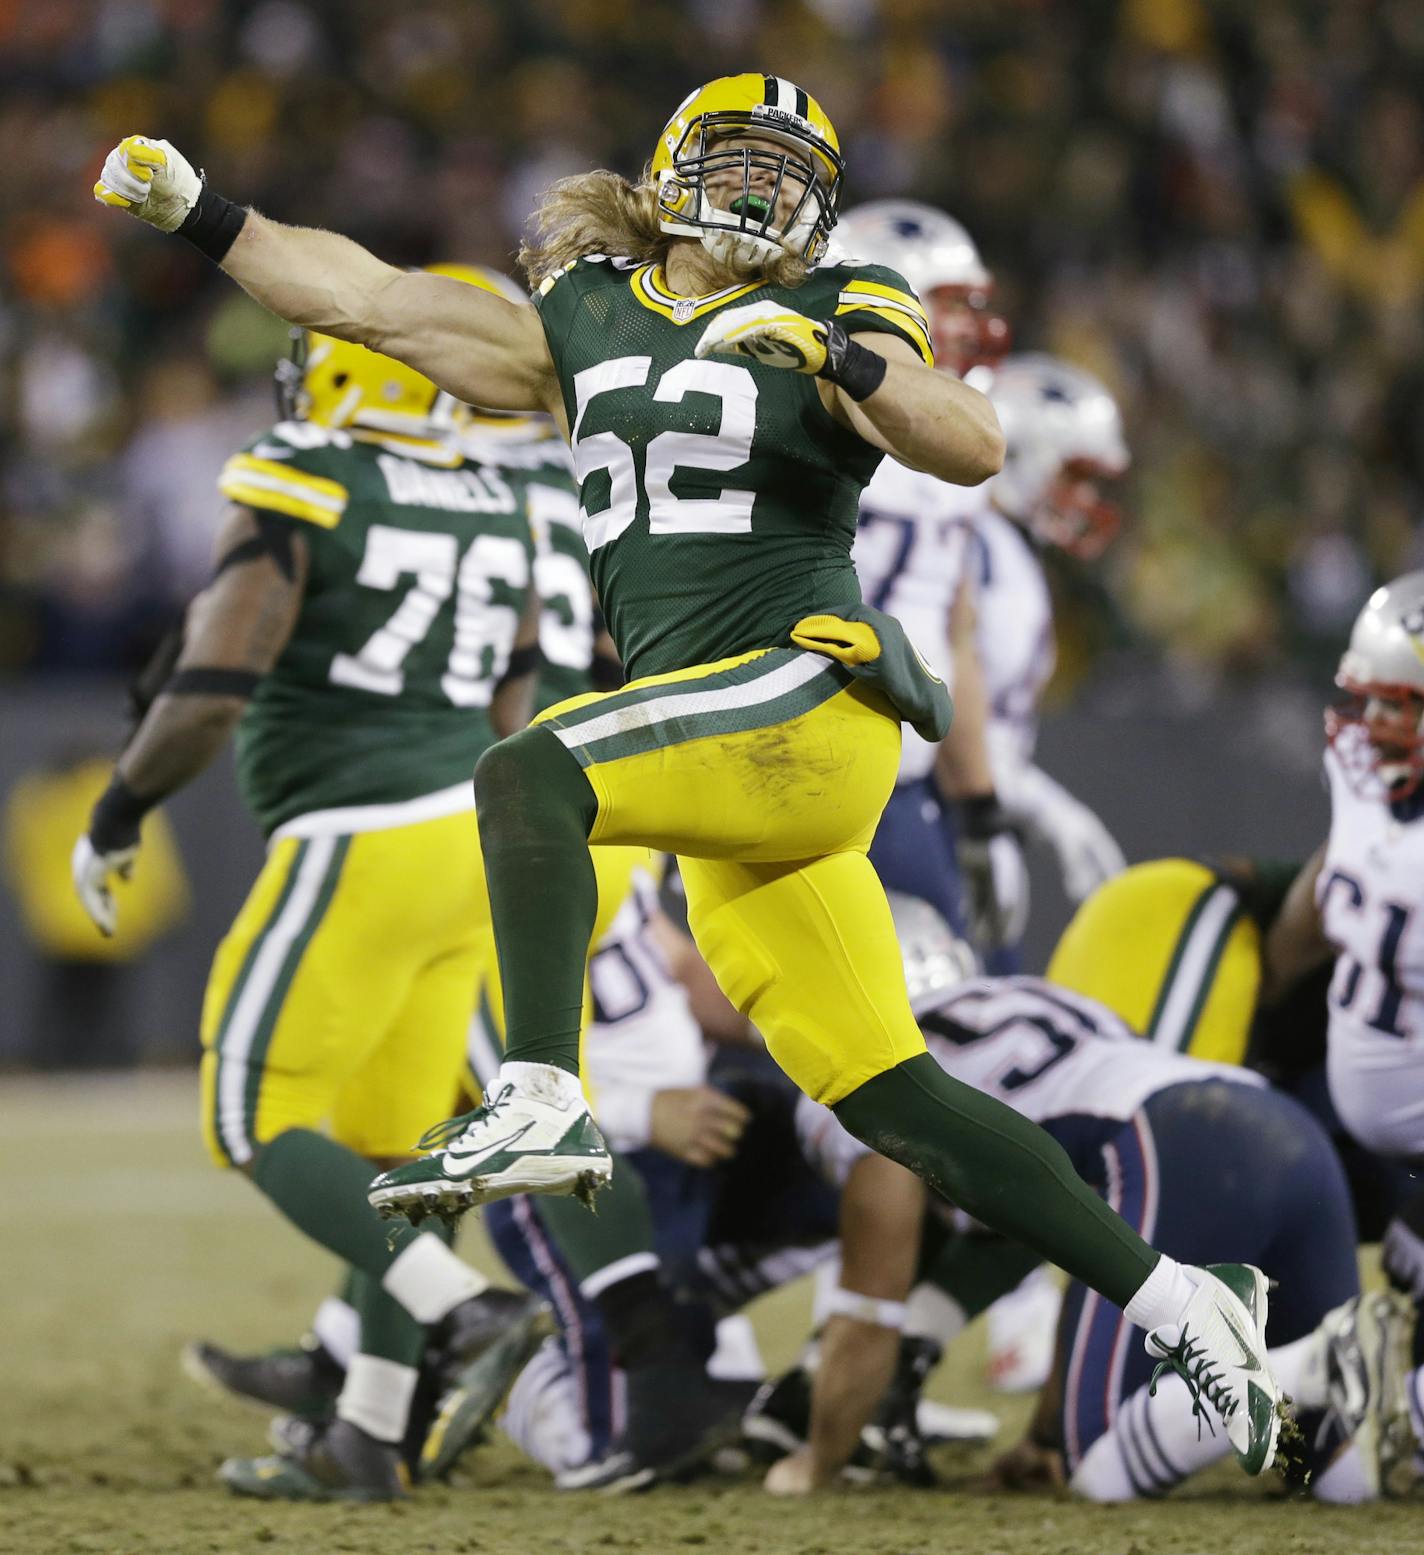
[
  {"x": 940, "y": 261},
  {"x": 1377, "y": 734},
  {"x": 1064, "y": 438}
]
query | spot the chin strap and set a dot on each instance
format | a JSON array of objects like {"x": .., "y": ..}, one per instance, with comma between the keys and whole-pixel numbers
[{"x": 739, "y": 249}]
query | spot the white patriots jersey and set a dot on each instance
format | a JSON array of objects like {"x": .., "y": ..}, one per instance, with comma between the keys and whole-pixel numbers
[
  {"x": 643, "y": 1037},
  {"x": 1370, "y": 893},
  {"x": 1014, "y": 633},
  {"x": 910, "y": 552},
  {"x": 1041, "y": 1050}
]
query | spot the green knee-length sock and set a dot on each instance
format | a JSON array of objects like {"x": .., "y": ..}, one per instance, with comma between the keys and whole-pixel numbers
[
  {"x": 998, "y": 1167},
  {"x": 612, "y": 1258},
  {"x": 535, "y": 809},
  {"x": 387, "y": 1329},
  {"x": 320, "y": 1186}
]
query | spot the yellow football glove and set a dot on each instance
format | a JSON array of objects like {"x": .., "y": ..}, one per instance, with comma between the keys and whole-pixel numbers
[
  {"x": 767, "y": 333},
  {"x": 151, "y": 180},
  {"x": 781, "y": 337}
]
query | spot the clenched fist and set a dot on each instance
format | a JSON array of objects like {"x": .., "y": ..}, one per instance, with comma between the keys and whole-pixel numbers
[{"x": 151, "y": 180}]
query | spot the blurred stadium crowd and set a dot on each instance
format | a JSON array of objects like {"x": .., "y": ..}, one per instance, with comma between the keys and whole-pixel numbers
[{"x": 1217, "y": 205}]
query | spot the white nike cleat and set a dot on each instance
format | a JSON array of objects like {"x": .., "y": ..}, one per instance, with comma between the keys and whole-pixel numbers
[
  {"x": 1218, "y": 1346},
  {"x": 534, "y": 1135}
]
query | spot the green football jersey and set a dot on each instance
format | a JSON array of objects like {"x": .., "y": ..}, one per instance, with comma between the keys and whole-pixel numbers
[
  {"x": 420, "y": 569},
  {"x": 568, "y": 616},
  {"x": 719, "y": 497}
]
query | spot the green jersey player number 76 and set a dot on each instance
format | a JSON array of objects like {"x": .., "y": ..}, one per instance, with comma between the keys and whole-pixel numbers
[{"x": 727, "y": 391}]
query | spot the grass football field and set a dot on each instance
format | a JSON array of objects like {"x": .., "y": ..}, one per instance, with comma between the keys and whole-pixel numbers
[{"x": 118, "y": 1242}]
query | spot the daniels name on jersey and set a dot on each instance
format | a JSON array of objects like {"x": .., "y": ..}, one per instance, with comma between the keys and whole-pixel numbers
[{"x": 457, "y": 491}]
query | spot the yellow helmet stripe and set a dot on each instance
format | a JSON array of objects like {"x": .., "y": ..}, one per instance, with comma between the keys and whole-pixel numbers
[{"x": 263, "y": 483}]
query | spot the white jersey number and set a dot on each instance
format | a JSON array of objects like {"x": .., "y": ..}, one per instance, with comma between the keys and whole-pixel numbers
[
  {"x": 565, "y": 593},
  {"x": 667, "y": 453},
  {"x": 434, "y": 561}
]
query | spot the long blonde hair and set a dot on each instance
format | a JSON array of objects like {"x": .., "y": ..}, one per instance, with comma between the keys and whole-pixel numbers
[{"x": 602, "y": 213}]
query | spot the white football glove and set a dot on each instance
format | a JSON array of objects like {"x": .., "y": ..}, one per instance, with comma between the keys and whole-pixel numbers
[
  {"x": 151, "y": 180},
  {"x": 93, "y": 874},
  {"x": 768, "y": 333}
]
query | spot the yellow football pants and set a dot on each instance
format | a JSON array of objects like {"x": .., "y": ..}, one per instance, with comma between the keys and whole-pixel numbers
[
  {"x": 343, "y": 993},
  {"x": 766, "y": 774}
]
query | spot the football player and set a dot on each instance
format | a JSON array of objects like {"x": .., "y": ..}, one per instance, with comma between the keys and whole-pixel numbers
[
  {"x": 574, "y": 654},
  {"x": 370, "y": 629},
  {"x": 1162, "y": 1136},
  {"x": 1359, "y": 903},
  {"x": 603, "y": 1276},
  {"x": 727, "y": 396}
]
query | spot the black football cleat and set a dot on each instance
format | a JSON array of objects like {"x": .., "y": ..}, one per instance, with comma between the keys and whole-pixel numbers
[
  {"x": 303, "y": 1381},
  {"x": 481, "y": 1387},
  {"x": 678, "y": 1417},
  {"x": 334, "y": 1462},
  {"x": 468, "y": 1330}
]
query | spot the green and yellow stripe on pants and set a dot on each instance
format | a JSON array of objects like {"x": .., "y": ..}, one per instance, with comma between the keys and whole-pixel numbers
[{"x": 251, "y": 976}]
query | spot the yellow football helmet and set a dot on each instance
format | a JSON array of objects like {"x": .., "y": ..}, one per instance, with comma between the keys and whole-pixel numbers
[
  {"x": 1168, "y": 946},
  {"x": 745, "y": 231},
  {"x": 338, "y": 384}
]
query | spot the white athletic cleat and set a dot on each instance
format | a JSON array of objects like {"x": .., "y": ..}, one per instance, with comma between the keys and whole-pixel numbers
[
  {"x": 1218, "y": 1346},
  {"x": 534, "y": 1135}
]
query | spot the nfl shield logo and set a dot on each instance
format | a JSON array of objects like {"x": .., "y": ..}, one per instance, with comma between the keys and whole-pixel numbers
[{"x": 682, "y": 310}]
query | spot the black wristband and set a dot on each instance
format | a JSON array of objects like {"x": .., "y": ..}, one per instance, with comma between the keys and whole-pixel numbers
[
  {"x": 213, "y": 224},
  {"x": 982, "y": 816},
  {"x": 204, "y": 682},
  {"x": 522, "y": 661},
  {"x": 117, "y": 817},
  {"x": 850, "y": 365}
]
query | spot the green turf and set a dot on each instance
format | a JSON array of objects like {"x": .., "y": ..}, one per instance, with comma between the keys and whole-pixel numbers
[{"x": 120, "y": 1242}]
